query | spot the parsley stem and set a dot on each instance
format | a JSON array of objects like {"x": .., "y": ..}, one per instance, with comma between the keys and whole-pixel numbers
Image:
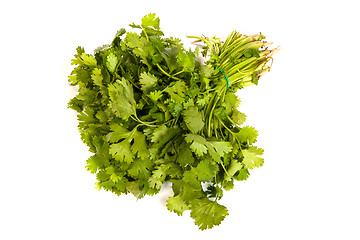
[
  {"x": 179, "y": 72},
  {"x": 144, "y": 31},
  {"x": 232, "y": 121},
  {"x": 222, "y": 164},
  {"x": 202, "y": 39},
  {"x": 167, "y": 74},
  {"x": 215, "y": 126},
  {"x": 143, "y": 123},
  {"x": 233, "y": 134},
  {"x": 211, "y": 113},
  {"x": 222, "y": 123},
  {"x": 175, "y": 121},
  {"x": 222, "y": 134}
]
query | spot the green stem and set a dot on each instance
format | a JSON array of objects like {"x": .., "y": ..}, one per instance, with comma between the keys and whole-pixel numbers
[
  {"x": 145, "y": 33},
  {"x": 234, "y": 44},
  {"x": 227, "y": 42},
  {"x": 240, "y": 49},
  {"x": 235, "y": 124},
  {"x": 242, "y": 65},
  {"x": 179, "y": 72},
  {"x": 135, "y": 118},
  {"x": 175, "y": 121},
  {"x": 215, "y": 126},
  {"x": 202, "y": 39},
  {"x": 232, "y": 134},
  {"x": 222, "y": 123},
  {"x": 210, "y": 115},
  {"x": 222, "y": 134},
  {"x": 167, "y": 74},
  {"x": 224, "y": 168}
]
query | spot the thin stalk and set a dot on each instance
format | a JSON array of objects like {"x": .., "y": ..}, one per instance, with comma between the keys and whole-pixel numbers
[
  {"x": 135, "y": 118},
  {"x": 242, "y": 66},
  {"x": 175, "y": 121},
  {"x": 211, "y": 114},
  {"x": 167, "y": 74},
  {"x": 145, "y": 33},
  {"x": 222, "y": 134},
  {"x": 222, "y": 164},
  {"x": 236, "y": 43},
  {"x": 265, "y": 70},
  {"x": 227, "y": 41},
  {"x": 247, "y": 84},
  {"x": 240, "y": 76},
  {"x": 215, "y": 126},
  {"x": 207, "y": 113},
  {"x": 234, "y": 123},
  {"x": 238, "y": 51},
  {"x": 224, "y": 125},
  {"x": 202, "y": 39},
  {"x": 233, "y": 68},
  {"x": 179, "y": 72},
  {"x": 212, "y": 44}
]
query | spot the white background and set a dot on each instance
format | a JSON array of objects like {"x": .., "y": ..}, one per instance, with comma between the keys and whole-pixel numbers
[{"x": 305, "y": 109}]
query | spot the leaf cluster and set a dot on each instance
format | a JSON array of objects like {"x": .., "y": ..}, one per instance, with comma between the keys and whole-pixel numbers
[{"x": 151, "y": 113}]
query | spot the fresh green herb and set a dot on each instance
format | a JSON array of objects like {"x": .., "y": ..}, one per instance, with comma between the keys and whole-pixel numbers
[{"x": 151, "y": 113}]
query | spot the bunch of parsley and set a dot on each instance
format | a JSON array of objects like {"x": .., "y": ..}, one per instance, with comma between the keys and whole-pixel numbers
[{"x": 151, "y": 113}]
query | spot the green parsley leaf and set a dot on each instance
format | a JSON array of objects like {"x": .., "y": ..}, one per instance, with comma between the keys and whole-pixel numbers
[
  {"x": 177, "y": 205},
  {"x": 122, "y": 99},
  {"x": 218, "y": 149},
  {"x": 150, "y": 20},
  {"x": 97, "y": 77},
  {"x": 185, "y": 156},
  {"x": 177, "y": 91},
  {"x": 238, "y": 117},
  {"x": 169, "y": 54},
  {"x": 139, "y": 168},
  {"x": 111, "y": 62},
  {"x": 242, "y": 175},
  {"x": 207, "y": 213},
  {"x": 140, "y": 146},
  {"x": 121, "y": 151},
  {"x": 251, "y": 160},
  {"x": 94, "y": 163},
  {"x": 117, "y": 133},
  {"x": 147, "y": 81},
  {"x": 155, "y": 95},
  {"x": 198, "y": 144},
  {"x": 194, "y": 119},
  {"x": 88, "y": 60},
  {"x": 234, "y": 167},
  {"x": 205, "y": 170},
  {"x": 159, "y": 133},
  {"x": 186, "y": 60},
  {"x": 247, "y": 134}
]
